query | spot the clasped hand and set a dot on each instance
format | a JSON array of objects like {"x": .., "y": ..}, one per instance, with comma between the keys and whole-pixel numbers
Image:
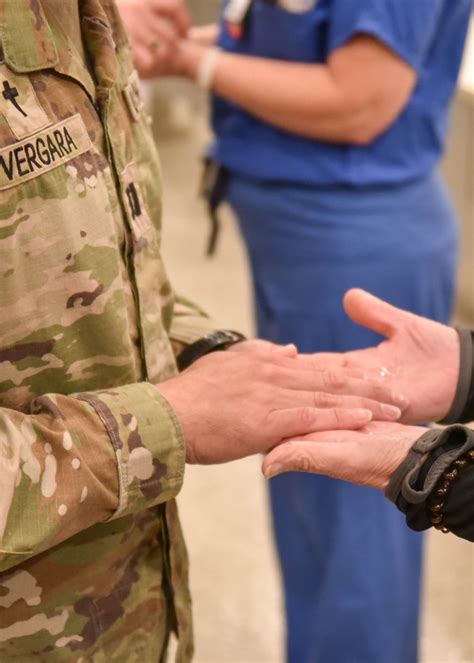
[
  {"x": 419, "y": 359},
  {"x": 156, "y": 29},
  {"x": 250, "y": 399},
  {"x": 333, "y": 414}
]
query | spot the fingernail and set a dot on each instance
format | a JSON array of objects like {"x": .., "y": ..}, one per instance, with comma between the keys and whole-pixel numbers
[
  {"x": 291, "y": 347},
  {"x": 273, "y": 470},
  {"x": 364, "y": 415},
  {"x": 391, "y": 412}
]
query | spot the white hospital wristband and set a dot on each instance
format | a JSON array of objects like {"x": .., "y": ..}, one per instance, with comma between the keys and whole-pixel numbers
[{"x": 207, "y": 67}]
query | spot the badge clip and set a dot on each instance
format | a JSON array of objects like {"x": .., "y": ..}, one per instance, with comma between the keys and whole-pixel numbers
[{"x": 234, "y": 17}]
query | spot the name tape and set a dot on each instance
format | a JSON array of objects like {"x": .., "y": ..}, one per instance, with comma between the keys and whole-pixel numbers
[{"x": 43, "y": 151}]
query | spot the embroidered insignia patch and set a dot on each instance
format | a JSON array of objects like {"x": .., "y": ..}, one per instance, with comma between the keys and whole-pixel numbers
[
  {"x": 133, "y": 96},
  {"x": 43, "y": 151},
  {"x": 134, "y": 203},
  {"x": 19, "y": 104}
]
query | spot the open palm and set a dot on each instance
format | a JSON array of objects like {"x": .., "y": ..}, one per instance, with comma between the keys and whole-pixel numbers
[{"x": 420, "y": 357}]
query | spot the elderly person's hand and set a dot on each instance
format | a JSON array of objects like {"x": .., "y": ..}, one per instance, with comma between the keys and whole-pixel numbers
[
  {"x": 155, "y": 29},
  {"x": 420, "y": 358},
  {"x": 367, "y": 457}
]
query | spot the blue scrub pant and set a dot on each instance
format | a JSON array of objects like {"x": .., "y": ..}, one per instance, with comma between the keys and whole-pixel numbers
[{"x": 351, "y": 568}]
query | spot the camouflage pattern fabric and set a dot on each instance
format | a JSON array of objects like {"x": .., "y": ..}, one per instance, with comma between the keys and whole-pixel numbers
[{"x": 93, "y": 565}]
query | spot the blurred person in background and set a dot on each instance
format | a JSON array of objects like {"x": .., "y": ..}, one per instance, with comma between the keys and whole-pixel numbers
[
  {"x": 427, "y": 473},
  {"x": 330, "y": 118},
  {"x": 154, "y": 29}
]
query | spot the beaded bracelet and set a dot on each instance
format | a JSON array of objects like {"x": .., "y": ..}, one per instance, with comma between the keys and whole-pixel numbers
[{"x": 442, "y": 490}]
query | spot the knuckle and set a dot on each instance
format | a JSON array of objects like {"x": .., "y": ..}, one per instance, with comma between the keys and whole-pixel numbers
[
  {"x": 302, "y": 461},
  {"x": 270, "y": 373},
  {"x": 307, "y": 416},
  {"x": 335, "y": 379},
  {"x": 325, "y": 400},
  {"x": 341, "y": 417}
]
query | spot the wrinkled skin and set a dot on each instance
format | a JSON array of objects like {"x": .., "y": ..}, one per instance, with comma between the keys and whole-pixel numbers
[{"x": 419, "y": 358}]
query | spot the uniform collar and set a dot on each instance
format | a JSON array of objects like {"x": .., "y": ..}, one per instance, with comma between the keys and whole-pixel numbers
[{"x": 27, "y": 40}]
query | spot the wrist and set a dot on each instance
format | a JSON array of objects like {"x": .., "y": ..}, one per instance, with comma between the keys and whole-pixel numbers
[
  {"x": 191, "y": 55},
  {"x": 205, "y": 66},
  {"x": 424, "y": 477},
  {"x": 462, "y": 405},
  {"x": 218, "y": 340}
]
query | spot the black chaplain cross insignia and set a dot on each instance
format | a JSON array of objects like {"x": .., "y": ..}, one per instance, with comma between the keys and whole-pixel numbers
[{"x": 10, "y": 94}]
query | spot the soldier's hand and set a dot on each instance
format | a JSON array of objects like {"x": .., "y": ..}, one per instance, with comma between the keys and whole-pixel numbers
[
  {"x": 155, "y": 29},
  {"x": 234, "y": 404},
  {"x": 367, "y": 457}
]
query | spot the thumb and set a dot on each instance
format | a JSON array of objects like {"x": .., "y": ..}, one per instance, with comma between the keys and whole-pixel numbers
[
  {"x": 314, "y": 456},
  {"x": 373, "y": 313}
]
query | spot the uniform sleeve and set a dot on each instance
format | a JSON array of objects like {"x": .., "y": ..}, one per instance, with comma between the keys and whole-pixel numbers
[
  {"x": 78, "y": 460},
  {"x": 189, "y": 323},
  {"x": 406, "y": 27}
]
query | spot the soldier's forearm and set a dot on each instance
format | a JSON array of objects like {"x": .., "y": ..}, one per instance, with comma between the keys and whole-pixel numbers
[{"x": 80, "y": 460}]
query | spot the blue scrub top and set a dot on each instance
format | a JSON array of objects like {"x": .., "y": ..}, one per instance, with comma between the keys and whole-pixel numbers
[{"x": 428, "y": 34}]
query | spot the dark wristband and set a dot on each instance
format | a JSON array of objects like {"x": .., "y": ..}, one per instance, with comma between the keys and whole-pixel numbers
[
  {"x": 418, "y": 516},
  {"x": 447, "y": 470},
  {"x": 462, "y": 409},
  {"x": 218, "y": 340}
]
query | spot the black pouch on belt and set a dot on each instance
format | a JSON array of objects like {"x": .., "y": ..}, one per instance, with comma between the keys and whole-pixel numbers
[{"x": 212, "y": 189}]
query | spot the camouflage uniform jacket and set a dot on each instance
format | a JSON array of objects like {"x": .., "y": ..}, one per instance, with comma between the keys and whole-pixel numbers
[{"x": 92, "y": 561}]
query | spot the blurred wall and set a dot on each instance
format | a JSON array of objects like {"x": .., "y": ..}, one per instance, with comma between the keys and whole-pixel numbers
[
  {"x": 458, "y": 169},
  {"x": 204, "y": 11}
]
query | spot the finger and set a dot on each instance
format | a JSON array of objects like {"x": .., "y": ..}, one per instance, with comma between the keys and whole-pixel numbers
[
  {"x": 324, "y": 400},
  {"x": 339, "y": 382},
  {"x": 144, "y": 61},
  {"x": 323, "y": 360},
  {"x": 371, "y": 312},
  {"x": 205, "y": 35},
  {"x": 322, "y": 457},
  {"x": 162, "y": 31},
  {"x": 176, "y": 12},
  {"x": 380, "y": 411},
  {"x": 304, "y": 420},
  {"x": 311, "y": 363},
  {"x": 349, "y": 455},
  {"x": 290, "y": 350}
]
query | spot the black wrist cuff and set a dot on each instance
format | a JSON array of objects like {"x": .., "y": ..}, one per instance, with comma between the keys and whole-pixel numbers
[
  {"x": 218, "y": 340},
  {"x": 416, "y": 479},
  {"x": 462, "y": 409}
]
